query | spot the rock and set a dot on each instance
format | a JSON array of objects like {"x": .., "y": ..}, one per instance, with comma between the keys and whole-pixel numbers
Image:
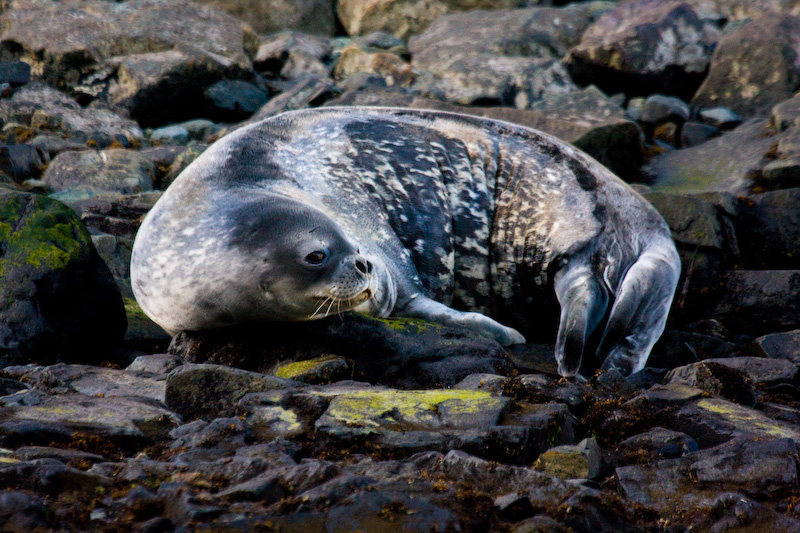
[
  {"x": 112, "y": 213},
  {"x": 308, "y": 92},
  {"x": 720, "y": 117},
  {"x": 403, "y": 19},
  {"x": 714, "y": 377},
  {"x": 20, "y": 511},
  {"x": 178, "y": 46},
  {"x": 386, "y": 65},
  {"x": 404, "y": 353},
  {"x": 472, "y": 60},
  {"x": 683, "y": 347},
  {"x": 159, "y": 364},
  {"x": 659, "y": 108},
  {"x": 486, "y": 382},
  {"x": 121, "y": 417},
  {"x": 116, "y": 254},
  {"x": 97, "y": 381},
  {"x": 114, "y": 170},
  {"x": 183, "y": 160},
  {"x": 583, "y": 460},
  {"x": 49, "y": 476},
  {"x": 367, "y": 509},
  {"x": 57, "y": 298},
  {"x": 22, "y": 162},
  {"x": 15, "y": 73},
  {"x": 47, "y": 110},
  {"x": 321, "y": 370},
  {"x": 143, "y": 332},
  {"x": 786, "y": 115},
  {"x": 778, "y": 346},
  {"x": 752, "y": 69},
  {"x": 694, "y": 133},
  {"x": 769, "y": 230},
  {"x": 782, "y": 174},
  {"x": 729, "y": 163},
  {"x": 312, "y": 16},
  {"x": 174, "y": 135},
  {"x": 657, "y": 443},
  {"x": 761, "y": 370},
  {"x": 282, "y": 54},
  {"x": 52, "y": 145},
  {"x": 757, "y": 302},
  {"x": 234, "y": 100},
  {"x": 759, "y": 469},
  {"x": 211, "y": 391},
  {"x": 645, "y": 46}
]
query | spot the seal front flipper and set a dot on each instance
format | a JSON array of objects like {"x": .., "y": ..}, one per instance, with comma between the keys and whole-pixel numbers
[
  {"x": 583, "y": 299},
  {"x": 640, "y": 311},
  {"x": 425, "y": 308}
]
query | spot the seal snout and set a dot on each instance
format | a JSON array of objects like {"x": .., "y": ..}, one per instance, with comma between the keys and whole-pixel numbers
[{"x": 363, "y": 266}]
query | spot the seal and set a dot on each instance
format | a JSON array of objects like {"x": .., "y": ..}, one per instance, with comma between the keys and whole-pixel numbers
[{"x": 413, "y": 213}]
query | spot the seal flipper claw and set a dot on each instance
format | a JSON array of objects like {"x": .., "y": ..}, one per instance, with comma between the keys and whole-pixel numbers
[
  {"x": 639, "y": 314},
  {"x": 425, "y": 308},
  {"x": 583, "y": 301}
]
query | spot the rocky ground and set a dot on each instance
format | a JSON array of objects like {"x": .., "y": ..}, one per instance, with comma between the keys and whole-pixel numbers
[{"x": 352, "y": 423}]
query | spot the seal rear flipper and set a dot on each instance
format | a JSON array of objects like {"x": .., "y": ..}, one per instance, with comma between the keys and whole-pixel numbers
[
  {"x": 425, "y": 308},
  {"x": 583, "y": 300},
  {"x": 639, "y": 314}
]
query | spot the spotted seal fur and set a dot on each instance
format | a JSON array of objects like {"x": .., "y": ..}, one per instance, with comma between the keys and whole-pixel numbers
[{"x": 413, "y": 213}]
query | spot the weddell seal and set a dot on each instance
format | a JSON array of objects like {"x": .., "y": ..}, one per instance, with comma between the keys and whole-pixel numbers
[{"x": 412, "y": 213}]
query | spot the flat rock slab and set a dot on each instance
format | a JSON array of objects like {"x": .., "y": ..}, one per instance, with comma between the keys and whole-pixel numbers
[
  {"x": 112, "y": 417},
  {"x": 778, "y": 345},
  {"x": 98, "y": 381}
]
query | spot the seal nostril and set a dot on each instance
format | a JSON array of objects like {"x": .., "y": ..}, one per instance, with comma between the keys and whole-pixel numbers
[
  {"x": 369, "y": 267},
  {"x": 363, "y": 266}
]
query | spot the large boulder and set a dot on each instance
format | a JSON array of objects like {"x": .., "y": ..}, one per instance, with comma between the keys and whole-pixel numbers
[
  {"x": 645, "y": 46},
  {"x": 508, "y": 57},
  {"x": 754, "y": 67},
  {"x": 406, "y": 17},
  {"x": 57, "y": 298},
  {"x": 114, "y": 170}
]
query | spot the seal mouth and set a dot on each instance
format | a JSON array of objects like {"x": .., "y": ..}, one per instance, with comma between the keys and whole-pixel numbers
[{"x": 339, "y": 304}]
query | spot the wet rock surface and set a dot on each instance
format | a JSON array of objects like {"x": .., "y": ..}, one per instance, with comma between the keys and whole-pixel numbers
[{"x": 353, "y": 423}]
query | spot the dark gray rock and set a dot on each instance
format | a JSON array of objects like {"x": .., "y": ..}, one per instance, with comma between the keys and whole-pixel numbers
[
  {"x": 48, "y": 476},
  {"x": 359, "y": 512},
  {"x": 769, "y": 230},
  {"x": 731, "y": 511},
  {"x": 716, "y": 378},
  {"x": 234, "y": 100},
  {"x": 505, "y": 57},
  {"x": 15, "y": 73},
  {"x": 694, "y": 133},
  {"x": 643, "y": 47},
  {"x": 172, "y": 135},
  {"x": 21, "y": 511},
  {"x": 676, "y": 348},
  {"x": 22, "y": 162},
  {"x": 52, "y": 145},
  {"x": 211, "y": 391},
  {"x": 158, "y": 364},
  {"x": 756, "y": 302},
  {"x": 720, "y": 117},
  {"x": 657, "y": 443},
  {"x": 114, "y": 170},
  {"x": 752, "y": 68},
  {"x": 779, "y": 346},
  {"x": 57, "y": 298},
  {"x": 786, "y": 115},
  {"x": 659, "y": 108},
  {"x": 308, "y": 92}
]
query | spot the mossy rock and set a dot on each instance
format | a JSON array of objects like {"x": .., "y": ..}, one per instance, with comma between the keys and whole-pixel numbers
[{"x": 58, "y": 300}]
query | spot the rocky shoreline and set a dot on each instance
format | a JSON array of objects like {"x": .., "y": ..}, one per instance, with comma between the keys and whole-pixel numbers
[{"x": 352, "y": 423}]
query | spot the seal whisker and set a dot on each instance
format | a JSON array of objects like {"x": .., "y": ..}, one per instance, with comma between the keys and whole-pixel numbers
[{"x": 324, "y": 301}]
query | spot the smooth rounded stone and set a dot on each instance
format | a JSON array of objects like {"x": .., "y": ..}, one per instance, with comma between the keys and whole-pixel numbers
[
  {"x": 113, "y": 417},
  {"x": 158, "y": 364},
  {"x": 317, "y": 371},
  {"x": 15, "y": 73},
  {"x": 720, "y": 117},
  {"x": 211, "y": 391},
  {"x": 175, "y": 135},
  {"x": 729, "y": 163},
  {"x": 22, "y": 161},
  {"x": 778, "y": 346},
  {"x": 388, "y": 66},
  {"x": 312, "y": 16},
  {"x": 581, "y": 461},
  {"x": 643, "y": 47},
  {"x": 234, "y": 100},
  {"x": 57, "y": 297},
  {"x": 757, "y": 302},
  {"x": 114, "y": 170},
  {"x": 47, "y": 110},
  {"x": 716, "y": 378},
  {"x": 695, "y": 133},
  {"x": 659, "y": 108},
  {"x": 761, "y": 469},
  {"x": 402, "y": 19},
  {"x": 487, "y": 382},
  {"x": 505, "y": 57},
  {"x": 656, "y": 443},
  {"x": 200, "y": 129},
  {"x": 752, "y": 68}
]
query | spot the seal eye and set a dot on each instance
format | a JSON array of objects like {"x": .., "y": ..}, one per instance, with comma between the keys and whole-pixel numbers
[{"x": 316, "y": 257}]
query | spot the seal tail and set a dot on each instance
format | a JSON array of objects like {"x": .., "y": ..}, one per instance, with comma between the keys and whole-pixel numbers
[
  {"x": 583, "y": 301},
  {"x": 639, "y": 313}
]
